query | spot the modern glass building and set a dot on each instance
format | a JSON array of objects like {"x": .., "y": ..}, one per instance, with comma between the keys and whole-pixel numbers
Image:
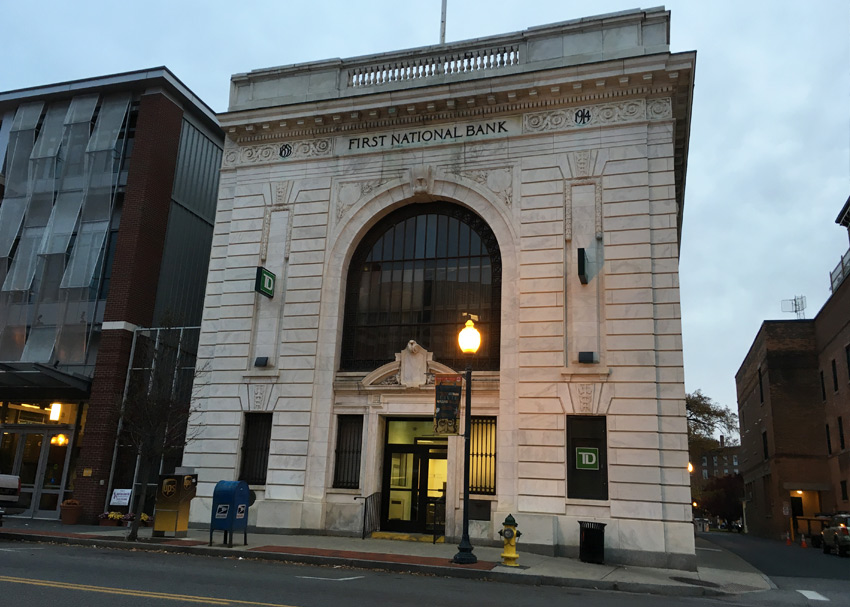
[{"x": 109, "y": 189}]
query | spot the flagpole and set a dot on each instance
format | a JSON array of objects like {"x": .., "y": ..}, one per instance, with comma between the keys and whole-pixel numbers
[{"x": 443, "y": 24}]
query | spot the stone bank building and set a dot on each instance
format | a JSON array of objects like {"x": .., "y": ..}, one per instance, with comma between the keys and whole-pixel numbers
[{"x": 368, "y": 206}]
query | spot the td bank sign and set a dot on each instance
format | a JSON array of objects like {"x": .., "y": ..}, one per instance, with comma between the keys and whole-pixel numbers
[{"x": 587, "y": 458}]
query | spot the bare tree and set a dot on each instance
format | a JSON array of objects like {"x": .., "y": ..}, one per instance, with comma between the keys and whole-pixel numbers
[{"x": 158, "y": 404}]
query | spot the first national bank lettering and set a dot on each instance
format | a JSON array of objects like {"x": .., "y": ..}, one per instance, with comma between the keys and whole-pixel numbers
[{"x": 447, "y": 134}]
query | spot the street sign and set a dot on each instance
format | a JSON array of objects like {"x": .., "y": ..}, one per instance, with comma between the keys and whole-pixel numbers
[
  {"x": 447, "y": 411},
  {"x": 587, "y": 458},
  {"x": 264, "y": 284},
  {"x": 120, "y": 497}
]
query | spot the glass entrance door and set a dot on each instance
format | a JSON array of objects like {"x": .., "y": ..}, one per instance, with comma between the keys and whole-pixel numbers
[
  {"x": 40, "y": 457},
  {"x": 414, "y": 482}
]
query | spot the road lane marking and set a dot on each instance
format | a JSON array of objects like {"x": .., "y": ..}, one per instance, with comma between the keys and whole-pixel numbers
[
  {"x": 331, "y": 579},
  {"x": 812, "y": 595},
  {"x": 710, "y": 549},
  {"x": 139, "y": 593}
]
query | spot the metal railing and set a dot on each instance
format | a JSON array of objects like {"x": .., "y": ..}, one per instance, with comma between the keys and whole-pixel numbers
[
  {"x": 371, "y": 514},
  {"x": 841, "y": 271}
]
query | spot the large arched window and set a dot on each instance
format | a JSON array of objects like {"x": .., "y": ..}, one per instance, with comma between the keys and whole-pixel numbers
[{"x": 413, "y": 276}]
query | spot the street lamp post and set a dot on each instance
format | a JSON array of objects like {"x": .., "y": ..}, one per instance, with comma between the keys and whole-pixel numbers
[{"x": 469, "y": 340}]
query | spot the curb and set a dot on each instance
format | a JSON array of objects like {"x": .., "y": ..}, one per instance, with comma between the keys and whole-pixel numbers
[{"x": 367, "y": 564}]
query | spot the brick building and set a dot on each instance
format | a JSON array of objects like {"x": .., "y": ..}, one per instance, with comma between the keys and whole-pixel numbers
[
  {"x": 105, "y": 227},
  {"x": 793, "y": 405},
  {"x": 718, "y": 462}
]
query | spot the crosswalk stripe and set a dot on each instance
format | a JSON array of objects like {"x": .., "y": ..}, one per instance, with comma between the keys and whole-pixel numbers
[{"x": 812, "y": 595}]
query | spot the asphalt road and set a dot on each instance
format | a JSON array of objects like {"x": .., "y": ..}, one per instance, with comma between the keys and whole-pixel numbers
[
  {"x": 797, "y": 572},
  {"x": 50, "y": 575}
]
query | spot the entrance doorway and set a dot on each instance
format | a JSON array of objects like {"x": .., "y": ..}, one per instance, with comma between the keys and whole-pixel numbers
[
  {"x": 40, "y": 456},
  {"x": 415, "y": 476}
]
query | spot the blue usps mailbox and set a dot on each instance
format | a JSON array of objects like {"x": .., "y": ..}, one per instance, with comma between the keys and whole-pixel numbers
[{"x": 230, "y": 510}]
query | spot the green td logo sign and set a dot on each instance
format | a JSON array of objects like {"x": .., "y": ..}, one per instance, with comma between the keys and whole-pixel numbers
[
  {"x": 587, "y": 458},
  {"x": 264, "y": 283}
]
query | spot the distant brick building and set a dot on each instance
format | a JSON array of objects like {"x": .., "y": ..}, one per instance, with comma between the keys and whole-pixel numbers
[
  {"x": 109, "y": 190},
  {"x": 718, "y": 462},
  {"x": 794, "y": 405}
]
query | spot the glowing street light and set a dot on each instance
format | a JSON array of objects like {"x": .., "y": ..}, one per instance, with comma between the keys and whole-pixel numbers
[{"x": 469, "y": 340}]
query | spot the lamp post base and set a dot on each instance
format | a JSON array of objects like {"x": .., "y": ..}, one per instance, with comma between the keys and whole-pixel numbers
[{"x": 464, "y": 554}]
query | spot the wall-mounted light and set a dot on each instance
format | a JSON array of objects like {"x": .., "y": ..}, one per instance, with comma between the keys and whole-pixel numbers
[
  {"x": 582, "y": 266},
  {"x": 55, "y": 411},
  {"x": 690, "y": 467},
  {"x": 59, "y": 440},
  {"x": 799, "y": 492}
]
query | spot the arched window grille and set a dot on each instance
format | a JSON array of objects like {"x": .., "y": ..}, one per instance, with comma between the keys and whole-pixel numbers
[{"x": 413, "y": 276}]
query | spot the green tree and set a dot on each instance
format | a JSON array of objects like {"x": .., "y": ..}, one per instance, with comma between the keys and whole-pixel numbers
[{"x": 706, "y": 419}]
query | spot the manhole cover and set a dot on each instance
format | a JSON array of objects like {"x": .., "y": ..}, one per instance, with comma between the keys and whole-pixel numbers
[{"x": 687, "y": 580}]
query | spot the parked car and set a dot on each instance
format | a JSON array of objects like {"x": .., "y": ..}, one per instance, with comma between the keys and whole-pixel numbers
[
  {"x": 10, "y": 489},
  {"x": 836, "y": 535}
]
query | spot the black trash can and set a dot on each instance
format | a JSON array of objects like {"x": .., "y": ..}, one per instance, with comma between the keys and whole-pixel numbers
[{"x": 592, "y": 542}]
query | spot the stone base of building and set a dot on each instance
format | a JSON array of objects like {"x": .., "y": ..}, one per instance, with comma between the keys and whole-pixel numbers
[{"x": 669, "y": 545}]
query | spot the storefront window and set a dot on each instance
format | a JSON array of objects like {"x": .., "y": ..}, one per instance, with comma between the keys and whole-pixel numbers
[{"x": 55, "y": 413}]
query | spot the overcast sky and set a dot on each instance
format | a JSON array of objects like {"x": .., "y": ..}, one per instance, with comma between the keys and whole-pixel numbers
[{"x": 769, "y": 164}]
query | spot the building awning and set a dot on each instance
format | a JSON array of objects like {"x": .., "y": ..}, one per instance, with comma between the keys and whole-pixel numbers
[{"x": 35, "y": 381}]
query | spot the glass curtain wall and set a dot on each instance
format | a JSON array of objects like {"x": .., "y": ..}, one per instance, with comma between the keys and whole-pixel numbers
[{"x": 62, "y": 177}]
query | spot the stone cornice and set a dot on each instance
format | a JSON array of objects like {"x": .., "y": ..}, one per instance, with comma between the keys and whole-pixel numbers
[
  {"x": 633, "y": 110},
  {"x": 517, "y": 94}
]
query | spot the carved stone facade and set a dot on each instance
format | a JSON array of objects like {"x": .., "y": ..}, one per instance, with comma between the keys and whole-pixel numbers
[{"x": 577, "y": 173}]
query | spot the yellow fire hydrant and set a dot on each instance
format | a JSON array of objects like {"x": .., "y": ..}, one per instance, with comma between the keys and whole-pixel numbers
[{"x": 509, "y": 534}]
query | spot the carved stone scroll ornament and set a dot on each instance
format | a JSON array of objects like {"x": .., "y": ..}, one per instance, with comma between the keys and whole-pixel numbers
[
  {"x": 413, "y": 367},
  {"x": 422, "y": 179},
  {"x": 391, "y": 380},
  {"x": 587, "y": 394},
  {"x": 257, "y": 397},
  {"x": 277, "y": 152},
  {"x": 499, "y": 181},
  {"x": 350, "y": 193},
  {"x": 281, "y": 192},
  {"x": 585, "y": 397},
  {"x": 659, "y": 109},
  {"x": 593, "y": 115}
]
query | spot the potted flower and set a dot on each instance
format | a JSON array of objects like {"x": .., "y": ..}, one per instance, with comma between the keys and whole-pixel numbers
[
  {"x": 127, "y": 519},
  {"x": 109, "y": 519},
  {"x": 70, "y": 512},
  {"x": 145, "y": 520}
]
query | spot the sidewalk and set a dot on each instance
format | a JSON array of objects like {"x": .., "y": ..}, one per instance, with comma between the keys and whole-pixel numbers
[{"x": 719, "y": 572}]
